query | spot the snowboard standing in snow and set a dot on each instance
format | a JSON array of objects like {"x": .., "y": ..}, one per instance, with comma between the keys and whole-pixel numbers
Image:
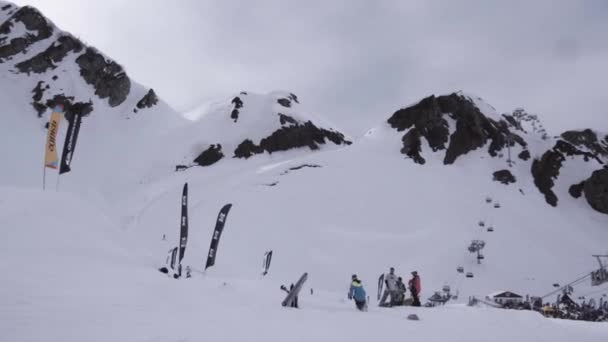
[
  {"x": 292, "y": 294},
  {"x": 380, "y": 284},
  {"x": 266, "y": 262}
]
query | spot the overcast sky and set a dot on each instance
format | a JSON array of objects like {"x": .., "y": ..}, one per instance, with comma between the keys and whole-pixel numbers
[{"x": 357, "y": 61}]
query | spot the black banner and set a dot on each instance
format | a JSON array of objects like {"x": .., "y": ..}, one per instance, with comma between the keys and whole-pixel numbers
[
  {"x": 217, "y": 233},
  {"x": 183, "y": 232},
  {"x": 70, "y": 143}
]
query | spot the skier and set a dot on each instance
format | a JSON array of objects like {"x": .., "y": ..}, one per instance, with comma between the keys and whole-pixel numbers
[
  {"x": 400, "y": 293},
  {"x": 357, "y": 293},
  {"x": 390, "y": 281},
  {"x": 414, "y": 285},
  {"x": 188, "y": 272}
]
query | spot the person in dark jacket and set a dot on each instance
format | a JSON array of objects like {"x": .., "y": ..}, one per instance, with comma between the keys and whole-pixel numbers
[
  {"x": 357, "y": 292},
  {"x": 414, "y": 285},
  {"x": 399, "y": 297}
]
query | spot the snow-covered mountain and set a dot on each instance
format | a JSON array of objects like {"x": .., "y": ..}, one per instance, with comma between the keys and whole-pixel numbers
[{"x": 81, "y": 258}]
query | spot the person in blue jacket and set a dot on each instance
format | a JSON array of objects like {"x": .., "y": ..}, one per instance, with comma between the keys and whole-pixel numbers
[{"x": 357, "y": 293}]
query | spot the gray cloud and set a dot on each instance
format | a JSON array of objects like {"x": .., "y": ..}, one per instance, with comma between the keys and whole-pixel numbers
[{"x": 357, "y": 61}]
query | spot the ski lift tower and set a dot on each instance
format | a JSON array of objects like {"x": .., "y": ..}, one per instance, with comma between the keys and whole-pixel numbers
[
  {"x": 475, "y": 247},
  {"x": 509, "y": 143},
  {"x": 600, "y": 276}
]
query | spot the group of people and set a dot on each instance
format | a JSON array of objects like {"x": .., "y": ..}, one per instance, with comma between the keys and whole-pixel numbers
[{"x": 394, "y": 288}]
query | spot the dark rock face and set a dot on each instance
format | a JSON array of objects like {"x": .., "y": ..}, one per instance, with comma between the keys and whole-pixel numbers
[
  {"x": 238, "y": 104},
  {"x": 546, "y": 169},
  {"x": 576, "y": 190},
  {"x": 285, "y": 119},
  {"x": 473, "y": 129},
  {"x": 284, "y": 102},
  {"x": 504, "y": 177},
  {"x": 524, "y": 155},
  {"x": 47, "y": 59},
  {"x": 293, "y": 97},
  {"x": 210, "y": 156},
  {"x": 587, "y": 138},
  {"x": 107, "y": 77},
  {"x": 290, "y": 137},
  {"x": 34, "y": 21},
  {"x": 148, "y": 101},
  {"x": 596, "y": 190},
  {"x": 37, "y": 97},
  {"x": 412, "y": 147},
  {"x": 246, "y": 149}
]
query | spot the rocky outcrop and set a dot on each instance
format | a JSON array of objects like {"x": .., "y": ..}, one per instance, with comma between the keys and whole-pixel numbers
[
  {"x": 210, "y": 156},
  {"x": 589, "y": 140},
  {"x": 284, "y": 102},
  {"x": 286, "y": 119},
  {"x": 412, "y": 146},
  {"x": 596, "y": 190},
  {"x": 107, "y": 77},
  {"x": 38, "y": 92},
  {"x": 36, "y": 24},
  {"x": 473, "y": 128},
  {"x": 247, "y": 149},
  {"x": 547, "y": 168},
  {"x": 290, "y": 137},
  {"x": 148, "y": 101},
  {"x": 238, "y": 104},
  {"x": 576, "y": 190},
  {"x": 524, "y": 155},
  {"x": 504, "y": 177},
  {"x": 48, "y": 59}
]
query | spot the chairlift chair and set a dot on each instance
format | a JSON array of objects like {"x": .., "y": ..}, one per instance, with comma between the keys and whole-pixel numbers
[
  {"x": 481, "y": 224},
  {"x": 446, "y": 288},
  {"x": 460, "y": 269},
  {"x": 496, "y": 205},
  {"x": 490, "y": 229},
  {"x": 480, "y": 257},
  {"x": 469, "y": 274}
]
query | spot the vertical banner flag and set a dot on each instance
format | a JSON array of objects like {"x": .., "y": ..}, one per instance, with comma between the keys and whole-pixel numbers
[
  {"x": 183, "y": 232},
  {"x": 217, "y": 233},
  {"x": 51, "y": 159},
  {"x": 70, "y": 143}
]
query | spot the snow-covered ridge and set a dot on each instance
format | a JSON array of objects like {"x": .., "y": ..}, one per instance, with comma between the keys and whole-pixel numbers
[
  {"x": 251, "y": 124},
  {"x": 458, "y": 125}
]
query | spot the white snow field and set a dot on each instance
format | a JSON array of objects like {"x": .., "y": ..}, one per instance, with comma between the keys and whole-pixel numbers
[
  {"x": 71, "y": 274},
  {"x": 79, "y": 261}
]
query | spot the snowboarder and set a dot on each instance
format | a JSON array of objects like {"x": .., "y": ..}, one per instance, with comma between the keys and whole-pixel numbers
[
  {"x": 357, "y": 293},
  {"x": 400, "y": 293},
  {"x": 414, "y": 285},
  {"x": 390, "y": 281}
]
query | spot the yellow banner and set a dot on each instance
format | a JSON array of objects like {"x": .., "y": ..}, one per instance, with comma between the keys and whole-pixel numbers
[{"x": 51, "y": 159}]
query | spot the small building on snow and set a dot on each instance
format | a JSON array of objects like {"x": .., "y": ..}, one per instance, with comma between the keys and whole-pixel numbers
[{"x": 506, "y": 298}]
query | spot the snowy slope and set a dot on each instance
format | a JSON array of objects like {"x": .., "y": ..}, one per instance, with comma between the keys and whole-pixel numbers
[
  {"x": 81, "y": 258},
  {"x": 82, "y": 282}
]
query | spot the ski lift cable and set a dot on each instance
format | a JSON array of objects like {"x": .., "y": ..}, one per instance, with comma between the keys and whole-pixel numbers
[
  {"x": 595, "y": 292},
  {"x": 572, "y": 283}
]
